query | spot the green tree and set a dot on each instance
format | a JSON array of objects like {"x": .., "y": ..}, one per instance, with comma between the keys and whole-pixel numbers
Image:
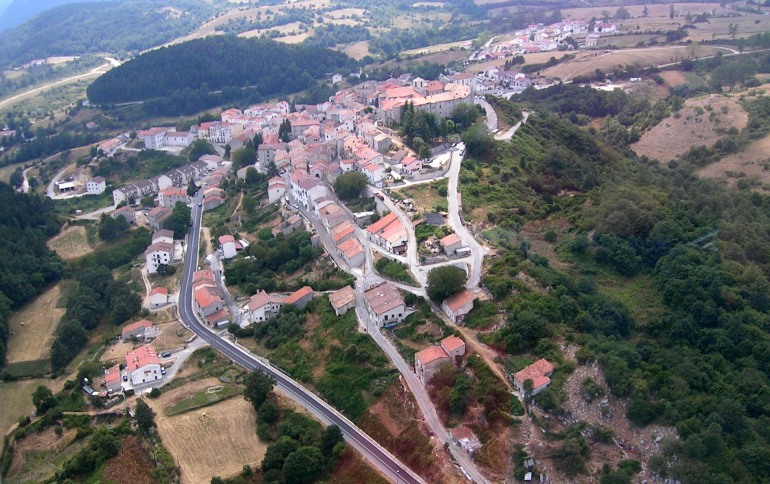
[
  {"x": 671, "y": 11},
  {"x": 284, "y": 131},
  {"x": 622, "y": 13},
  {"x": 111, "y": 229},
  {"x": 17, "y": 178},
  {"x": 465, "y": 114},
  {"x": 244, "y": 156},
  {"x": 227, "y": 151},
  {"x": 200, "y": 147},
  {"x": 277, "y": 452},
  {"x": 192, "y": 188},
  {"x": 258, "y": 388},
  {"x": 43, "y": 399},
  {"x": 145, "y": 417},
  {"x": 445, "y": 281},
  {"x": 645, "y": 11},
  {"x": 304, "y": 465},
  {"x": 349, "y": 186},
  {"x": 179, "y": 221},
  {"x": 331, "y": 436},
  {"x": 732, "y": 29},
  {"x": 252, "y": 176}
]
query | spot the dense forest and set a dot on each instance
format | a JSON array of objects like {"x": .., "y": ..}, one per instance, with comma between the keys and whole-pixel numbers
[
  {"x": 27, "y": 265},
  {"x": 684, "y": 336},
  {"x": 114, "y": 27},
  {"x": 187, "y": 77}
]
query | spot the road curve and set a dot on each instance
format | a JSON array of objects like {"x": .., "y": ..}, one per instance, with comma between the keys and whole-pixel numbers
[{"x": 371, "y": 450}]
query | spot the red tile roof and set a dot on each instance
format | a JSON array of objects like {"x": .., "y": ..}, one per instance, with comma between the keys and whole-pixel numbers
[
  {"x": 206, "y": 296},
  {"x": 459, "y": 299},
  {"x": 342, "y": 297},
  {"x": 431, "y": 354},
  {"x": 450, "y": 239},
  {"x": 537, "y": 372},
  {"x": 142, "y": 356},
  {"x": 379, "y": 225},
  {"x": 159, "y": 290},
  {"x": 297, "y": 295},
  {"x": 142, "y": 323},
  {"x": 452, "y": 343}
]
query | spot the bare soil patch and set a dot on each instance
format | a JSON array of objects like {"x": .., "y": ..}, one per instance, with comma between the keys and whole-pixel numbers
[
  {"x": 32, "y": 328},
  {"x": 215, "y": 440},
  {"x": 71, "y": 243},
  {"x": 117, "y": 352},
  {"x": 673, "y": 78},
  {"x": 172, "y": 335},
  {"x": 693, "y": 125},
  {"x": 356, "y": 50},
  {"x": 396, "y": 423},
  {"x": 629, "y": 442},
  {"x": 132, "y": 464},
  {"x": 751, "y": 164}
]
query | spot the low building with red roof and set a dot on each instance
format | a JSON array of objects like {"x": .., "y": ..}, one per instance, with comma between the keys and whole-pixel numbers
[
  {"x": 453, "y": 346},
  {"x": 143, "y": 365},
  {"x": 343, "y": 300},
  {"x": 428, "y": 361},
  {"x": 458, "y": 305},
  {"x": 263, "y": 306},
  {"x": 538, "y": 372},
  {"x": 227, "y": 243},
  {"x": 300, "y": 297},
  {"x": 113, "y": 380},
  {"x": 158, "y": 297}
]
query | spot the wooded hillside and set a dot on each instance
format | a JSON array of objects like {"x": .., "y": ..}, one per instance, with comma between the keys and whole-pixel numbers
[
  {"x": 195, "y": 69},
  {"x": 113, "y": 27}
]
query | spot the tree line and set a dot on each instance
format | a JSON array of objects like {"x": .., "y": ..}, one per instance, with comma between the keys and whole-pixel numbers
[{"x": 27, "y": 266}]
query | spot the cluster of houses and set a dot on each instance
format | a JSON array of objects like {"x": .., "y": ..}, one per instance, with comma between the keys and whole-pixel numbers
[
  {"x": 209, "y": 301},
  {"x": 263, "y": 306},
  {"x": 158, "y": 138},
  {"x": 142, "y": 365},
  {"x": 428, "y": 361},
  {"x": 160, "y": 251},
  {"x": 176, "y": 178}
]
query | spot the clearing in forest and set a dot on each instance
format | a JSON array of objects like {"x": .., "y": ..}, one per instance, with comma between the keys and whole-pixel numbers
[
  {"x": 71, "y": 243},
  {"x": 702, "y": 121},
  {"x": 32, "y": 327},
  {"x": 751, "y": 164}
]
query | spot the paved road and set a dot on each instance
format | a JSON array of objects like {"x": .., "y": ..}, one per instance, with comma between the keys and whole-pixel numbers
[
  {"x": 491, "y": 114},
  {"x": 509, "y": 134},
  {"x": 371, "y": 450},
  {"x": 456, "y": 222},
  {"x": 97, "y": 71}
]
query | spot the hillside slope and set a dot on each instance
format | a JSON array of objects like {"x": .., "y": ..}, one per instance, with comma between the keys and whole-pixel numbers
[
  {"x": 217, "y": 63},
  {"x": 114, "y": 27}
]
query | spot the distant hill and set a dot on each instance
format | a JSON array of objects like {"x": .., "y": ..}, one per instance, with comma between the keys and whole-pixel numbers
[
  {"x": 114, "y": 27},
  {"x": 16, "y": 12},
  {"x": 181, "y": 78}
]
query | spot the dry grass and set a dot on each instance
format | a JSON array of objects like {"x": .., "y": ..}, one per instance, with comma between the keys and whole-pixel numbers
[
  {"x": 660, "y": 10},
  {"x": 753, "y": 164},
  {"x": 71, "y": 243},
  {"x": 674, "y": 136},
  {"x": 172, "y": 335},
  {"x": 215, "y": 440},
  {"x": 587, "y": 62},
  {"x": 434, "y": 48},
  {"x": 17, "y": 401},
  {"x": 356, "y": 50},
  {"x": 345, "y": 12},
  {"x": 425, "y": 196},
  {"x": 32, "y": 328}
]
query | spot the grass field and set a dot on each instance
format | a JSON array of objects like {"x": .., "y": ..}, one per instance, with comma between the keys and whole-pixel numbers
[
  {"x": 17, "y": 400},
  {"x": 71, "y": 243},
  {"x": 203, "y": 398},
  {"x": 356, "y": 50},
  {"x": 435, "y": 48},
  {"x": 215, "y": 440},
  {"x": 32, "y": 328}
]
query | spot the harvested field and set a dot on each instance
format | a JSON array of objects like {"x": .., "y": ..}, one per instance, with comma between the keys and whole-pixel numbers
[
  {"x": 587, "y": 62},
  {"x": 435, "y": 48},
  {"x": 71, "y": 243},
  {"x": 356, "y": 50},
  {"x": 751, "y": 164},
  {"x": 215, "y": 440},
  {"x": 653, "y": 10},
  {"x": 674, "y": 136},
  {"x": 32, "y": 327}
]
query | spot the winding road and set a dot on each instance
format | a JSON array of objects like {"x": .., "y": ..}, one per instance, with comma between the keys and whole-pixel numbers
[{"x": 371, "y": 450}]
